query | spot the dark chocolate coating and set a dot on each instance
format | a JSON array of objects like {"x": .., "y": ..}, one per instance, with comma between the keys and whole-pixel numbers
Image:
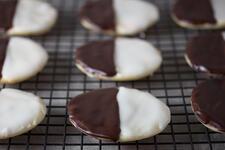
[
  {"x": 97, "y": 57},
  {"x": 100, "y": 13},
  {"x": 194, "y": 11},
  {"x": 7, "y": 12},
  {"x": 96, "y": 113},
  {"x": 3, "y": 48},
  {"x": 208, "y": 103},
  {"x": 207, "y": 51}
]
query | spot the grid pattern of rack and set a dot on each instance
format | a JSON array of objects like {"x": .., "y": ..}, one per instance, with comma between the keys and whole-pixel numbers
[{"x": 60, "y": 81}]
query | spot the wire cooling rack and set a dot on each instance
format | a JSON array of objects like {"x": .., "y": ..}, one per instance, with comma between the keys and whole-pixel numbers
[{"x": 61, "y": 80}]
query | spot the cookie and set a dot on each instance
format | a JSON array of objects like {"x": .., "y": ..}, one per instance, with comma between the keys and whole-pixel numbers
[
  {"x": 200, "y": 14},
  {"x": 26, "y": 17},
  {"x": 118, "y": 17},
  {"x": 208, "y": 104},
  {"x": 20, "y": 112},
  {"x": 20, "y": 59},
  {"x": 118, "y": 114},
  {"x": 206, "y": 53},
  {"x": 119, "y": 59}
]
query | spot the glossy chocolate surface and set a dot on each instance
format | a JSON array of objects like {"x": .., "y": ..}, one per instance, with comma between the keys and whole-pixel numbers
[
  {"x": 7, "y": 12},
  {"x": 97, "y": 57},
  {"x": 207, "y": 51},
  {"x": 194, "y": 11},
  {"x": 3, "y": 48},
  {"x": 96, "y": 113},
  {"x": 100, "y": 13},
  {"x": 208, "y": 101}
]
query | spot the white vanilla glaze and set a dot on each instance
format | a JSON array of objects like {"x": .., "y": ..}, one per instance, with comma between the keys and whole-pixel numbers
[
  {"x": 24, "y": 59},
  {"x": 135, "y": 58},
  {"x": 33, "y": 17},
  {"x": 19, "y": 112},
  {"x": 141, "y": 114},
  {"x": 133, "y": 16},
  {"x": 219, "y": 10},
  {"x": 223, "y": 34}
]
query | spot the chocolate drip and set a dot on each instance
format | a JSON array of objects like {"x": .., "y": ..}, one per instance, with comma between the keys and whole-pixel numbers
[
  {"x": 207, "y": 51},
  {"x": 7, "y": 12},
  {"x": 194, "y": 11},
  {"x": 96, "y": 113},
  {"x": 97, "y": 57},
  {"x": 208, "y": 101},
  {"x": 99, "y": 12},
  {"x": 3, "y": 48}
]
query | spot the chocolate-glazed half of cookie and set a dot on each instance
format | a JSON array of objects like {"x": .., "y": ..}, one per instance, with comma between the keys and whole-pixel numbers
[
  {"x": 200, "y": 14},
  {"x": 7, "y": 12},
  {"x": 118, "y": 114},
  {"x": 114, "y": 16},
  {"x": 26, "y": 17},
  {"x": 208, "y": 101},
  {"x": 206, "y": 53},
  {"x": 104, "y": 20},
  {"x": 20, "y": 112},
  {"x": 20, "y": 59},
  {"x": 118, "y": 59}
]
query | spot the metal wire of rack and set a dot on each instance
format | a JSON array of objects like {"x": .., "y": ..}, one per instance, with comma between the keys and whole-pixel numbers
[{"x": 60, "y": 81}]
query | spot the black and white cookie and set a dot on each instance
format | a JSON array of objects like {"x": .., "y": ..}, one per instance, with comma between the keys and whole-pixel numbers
[
  {"x": 199, "y": 14},
  {"x": 207, "y": 53},
  {"x": 20, "y": 59},
  {"x": 26, "y": 17},
  {"x": 20, "y": 112},
  {"x": 208, "y": 101},
  {"x": 119, "y": 114},
  {"x": 119, "y": 17},
  {"x": 120, "y": 59}
]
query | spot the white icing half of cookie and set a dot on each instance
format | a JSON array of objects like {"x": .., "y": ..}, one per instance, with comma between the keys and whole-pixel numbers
[
  {"x": 24, "y": 59},
  {"x": 133, "y": 16},
  {"x": 135, "y": 58},
  {"x": 219, "y": 11},
  {"x": 33, "y": 17},
  {"x": 19, "y": 112},
  {"x": 223, "y": 34},
  {"x": 141, "y": 114}
]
